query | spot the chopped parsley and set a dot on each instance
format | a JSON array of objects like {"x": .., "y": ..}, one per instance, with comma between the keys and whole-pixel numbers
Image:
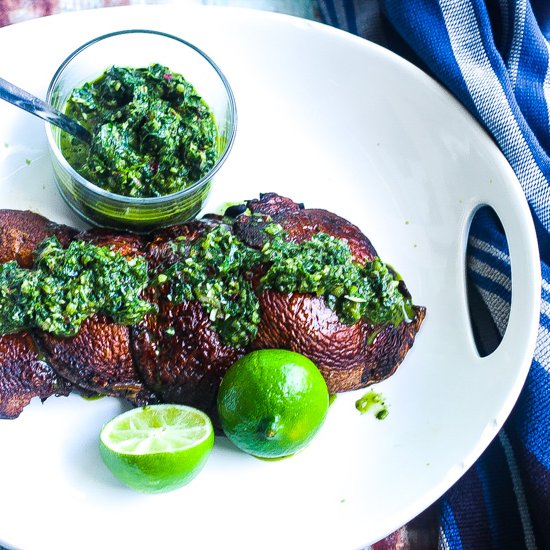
[
  {"x": 216, "y": 271},
  {"x": 323, "y": 265},
  {"x": 153, "y": 135},
  {"x": 213, "y": 271},
  {"x": 68, "y": 285}
]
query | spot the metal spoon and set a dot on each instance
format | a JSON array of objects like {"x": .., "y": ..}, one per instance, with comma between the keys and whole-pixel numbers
[{"x": 20, "y": 98}]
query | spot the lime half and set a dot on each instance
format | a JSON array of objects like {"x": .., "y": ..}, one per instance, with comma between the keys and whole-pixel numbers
[{"x": 157, "y": 448}]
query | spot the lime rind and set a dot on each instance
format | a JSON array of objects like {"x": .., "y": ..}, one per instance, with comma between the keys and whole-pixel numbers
[
  {"x": 157, "y": 448},
  {"x": 272, "y": 403}
]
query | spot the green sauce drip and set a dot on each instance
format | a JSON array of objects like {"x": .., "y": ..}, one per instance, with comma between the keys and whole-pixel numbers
[
  {"x": 94, "y": 397},
  {"x": 153, "y": 135},
  {"x": 68, "y": 285},
  {"x": 373, "y": 402}
]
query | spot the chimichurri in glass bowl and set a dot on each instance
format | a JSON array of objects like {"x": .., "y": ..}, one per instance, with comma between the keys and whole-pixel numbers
[{"x": 163, "y": 120}]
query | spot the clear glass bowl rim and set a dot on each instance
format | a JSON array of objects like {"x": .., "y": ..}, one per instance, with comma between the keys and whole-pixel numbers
[{"x": 135, "y": 201}]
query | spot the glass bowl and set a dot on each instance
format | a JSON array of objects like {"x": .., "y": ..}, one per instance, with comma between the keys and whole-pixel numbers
[{"x": 139, "y": 48}]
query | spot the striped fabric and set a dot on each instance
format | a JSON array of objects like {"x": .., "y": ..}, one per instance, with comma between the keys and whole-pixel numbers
[{"x": 494, "y": 56}]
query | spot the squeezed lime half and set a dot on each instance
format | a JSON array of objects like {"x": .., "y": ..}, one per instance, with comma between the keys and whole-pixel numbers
[{"x": 157, "y": 448}]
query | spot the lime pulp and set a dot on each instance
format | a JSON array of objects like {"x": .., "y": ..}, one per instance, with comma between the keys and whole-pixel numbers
[{"x": 157, "y": 448}]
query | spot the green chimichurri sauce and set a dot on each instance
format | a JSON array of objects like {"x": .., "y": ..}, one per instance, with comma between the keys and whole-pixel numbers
[
  {"x": 68, "y": 285},
  {"x": 216, "y": 271},
  {"x": 213, "y": 271},
  {"x": 153, "y": 135},
  {"x": 323, "y": 265},
  {"x": 372, "y": 402}
]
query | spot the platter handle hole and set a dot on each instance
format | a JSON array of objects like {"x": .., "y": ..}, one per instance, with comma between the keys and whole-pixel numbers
[{"x": 488, "y": 279}]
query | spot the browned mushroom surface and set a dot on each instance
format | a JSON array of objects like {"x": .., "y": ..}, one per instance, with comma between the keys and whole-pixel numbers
[
  {"x": 99, "y": 359},
  {"x": 344, "y": 354},
  {"x": 349, "y": 356},
  {"x": 177, "y": 353},
  {"x": 21, "y": 231},
  {"x": 23, "y": 374},
  {"x": 302, "y": 223}
]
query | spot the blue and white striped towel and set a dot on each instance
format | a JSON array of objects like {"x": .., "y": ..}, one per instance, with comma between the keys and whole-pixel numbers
[{"x": 494, "y": 56}]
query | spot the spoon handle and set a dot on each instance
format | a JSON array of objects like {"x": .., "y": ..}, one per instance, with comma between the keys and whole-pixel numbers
[{"x": 32, "y": 104}]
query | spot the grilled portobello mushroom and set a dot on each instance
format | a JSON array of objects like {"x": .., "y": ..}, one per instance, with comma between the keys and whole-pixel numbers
[
  {"x": 349, "y": 356},
  {"x": 98, "y": 358},
  {"x": 24, "y": 375},
  {"x": 175, "y": 354},
  {"x": 23, "y": 372}
]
